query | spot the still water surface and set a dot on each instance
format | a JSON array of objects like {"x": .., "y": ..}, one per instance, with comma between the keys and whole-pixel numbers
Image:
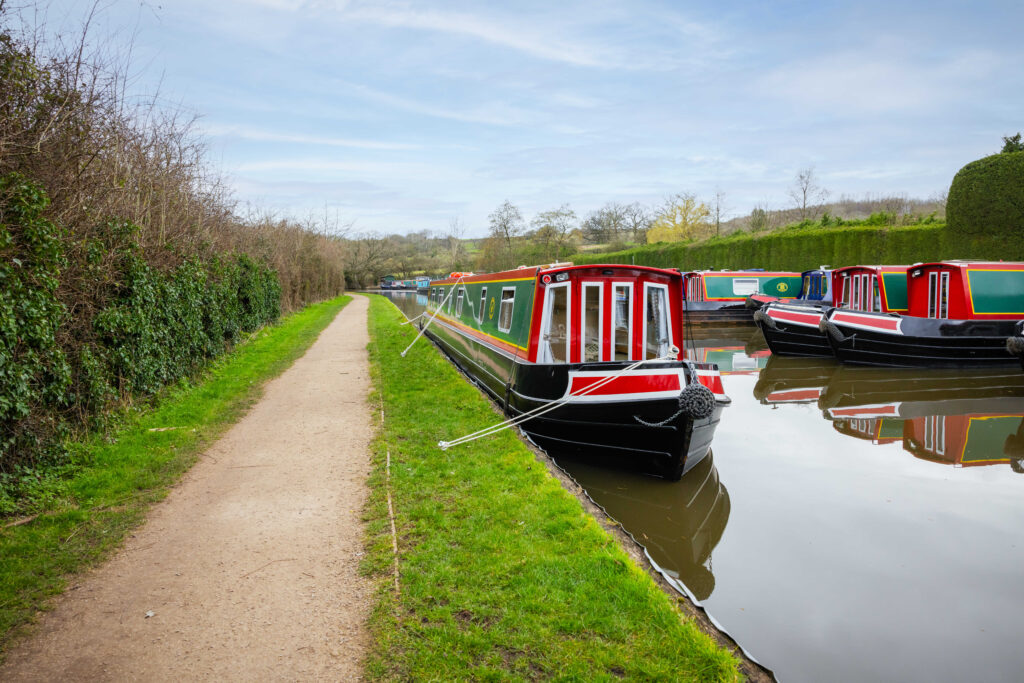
[{"x": 851, "y": 523}]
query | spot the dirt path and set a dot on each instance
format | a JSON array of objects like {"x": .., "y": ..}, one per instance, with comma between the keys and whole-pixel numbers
[{"x": 249, "y": 567}]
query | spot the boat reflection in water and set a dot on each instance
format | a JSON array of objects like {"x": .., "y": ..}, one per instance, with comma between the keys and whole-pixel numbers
[
  {"x": 736, "y": 349},
  {"x": 792, "y": 379},
  {"x": 679, "y": 523},
  {"x": 963, "y": 419}
]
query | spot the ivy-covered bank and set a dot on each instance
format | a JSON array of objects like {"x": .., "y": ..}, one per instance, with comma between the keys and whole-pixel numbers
[
  {"x": 810, "y": 244},
  {"x": 81, "y": 518},
  {"x": 81, "y": 333}
]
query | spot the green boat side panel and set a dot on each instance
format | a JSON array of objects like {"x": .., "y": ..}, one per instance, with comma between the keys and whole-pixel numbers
[
  {"x": 522, "y": 309},
  {"x": 997, "y": 291},
  {"x": 721, "y": 286},
  {"x": 890, "y": 428},
  {"x": 895, "y": 290},
  {"x": 986, "y": 436}
]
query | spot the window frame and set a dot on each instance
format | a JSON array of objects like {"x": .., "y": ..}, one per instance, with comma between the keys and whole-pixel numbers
[
  {"x": 460, "y": 301},
  {"x": 501, "y": 308},
  {"x": 629, "y": 328},
  {"x": 668, "y": 321},
  {"x": 483, "y": 306},
  {"x": 584, "y": 286}
]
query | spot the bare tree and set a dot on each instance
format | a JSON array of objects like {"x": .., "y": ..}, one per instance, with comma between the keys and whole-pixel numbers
[
  {"x": 553, "y": 229},
  {"x": 506, "y": 226},
  {"x": 718, "y": 209},
  {"x": 806, "y": 192},
  {"x": 456, "y": 255},
  {"x": 637, "y": 219}
]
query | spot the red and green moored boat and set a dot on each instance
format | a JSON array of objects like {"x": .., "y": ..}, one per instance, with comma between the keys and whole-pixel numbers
[
  {"x": 720, "y": 296},
  {"x": 794, "y": 328},
  {"x": 958, "y": 314},
  {"x": 601, "y": 342}
]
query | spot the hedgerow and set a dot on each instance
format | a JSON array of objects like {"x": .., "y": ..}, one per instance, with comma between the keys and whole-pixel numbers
[
  {"x": 150, "y": 327},
  {"x": 809, "y": 244},
  {"x": 986, "y": 198}
]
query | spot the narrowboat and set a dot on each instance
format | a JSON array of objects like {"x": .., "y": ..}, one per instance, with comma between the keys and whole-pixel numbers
[
  {"x": 957, "y": 314},
  {"x": 422, "y": 283},
  {"x": 794, "y": 328},
  {"x": 598, "y": 345},
  {"x": 720, "y": 296}
]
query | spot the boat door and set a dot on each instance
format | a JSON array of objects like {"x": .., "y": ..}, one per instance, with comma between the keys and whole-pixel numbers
[
  {"x": 556, "y": 325},
  {"x": 938, "y": 294},
  {"x": 657, "y": 333}
]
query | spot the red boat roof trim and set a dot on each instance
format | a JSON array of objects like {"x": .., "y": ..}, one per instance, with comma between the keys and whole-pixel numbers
[{"x": 531, "y": 272}]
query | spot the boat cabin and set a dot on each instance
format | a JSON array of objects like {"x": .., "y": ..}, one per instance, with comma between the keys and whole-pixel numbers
[
  {"x": 814, "y": 285},
  {"x": 566, "y": 313},
  {"x": 966, "y": 290},
  {"x": 737, "y": 285},
  {"x": 881, "y": 289}
]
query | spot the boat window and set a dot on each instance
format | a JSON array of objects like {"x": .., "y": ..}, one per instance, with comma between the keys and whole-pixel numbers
[
  {"x": 656, "y": 329},
  {"x": 622, "y": 321},
  {"x": 556, "y": 328},
  {"x": 807, "y": 288},
  {"x": 508, "y": 298},
  {"x": 877, "y": 294},
  {"x": 590, "y": 331},
  {"x": 855, "y": 292},
  {"x": 822, "y": 285},
  {"x": 844, "y": 300},
  {"x": 865, "y": 293},
  {"x": 483, "y": 305},
  {"x": 944, "y": 296},
  {"x": 935, "y": 433},
  {"x": 933, "y": 280},
  {"x": 744, "y": 286},
  {"x": 460, "y": 298},
  {"x": 694, "y": 291}
]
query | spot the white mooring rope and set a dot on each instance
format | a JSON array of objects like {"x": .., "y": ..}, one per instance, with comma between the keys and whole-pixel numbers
[
  {"x": 540, "y": 410},
  {"x": 443, "y": 302}
]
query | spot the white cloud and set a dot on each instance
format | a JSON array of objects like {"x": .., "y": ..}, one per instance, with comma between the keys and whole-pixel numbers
[{"x": 250, "y": 133}]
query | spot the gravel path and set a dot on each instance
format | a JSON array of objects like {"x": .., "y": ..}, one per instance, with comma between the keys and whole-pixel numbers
[{"x": 249, "y": 568}]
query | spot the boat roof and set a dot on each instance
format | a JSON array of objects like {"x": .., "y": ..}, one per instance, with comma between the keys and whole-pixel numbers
[
  {"x": 531, "y": 272},
  {"x": 880, "y": 269},
  {"x": 759, "y": 273},
  {"x": 970, "y": 263}
]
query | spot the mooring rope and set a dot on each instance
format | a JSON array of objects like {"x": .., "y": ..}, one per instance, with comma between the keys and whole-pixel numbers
[
  {"x": 541, "y": 410},
  {"x": 443, "y": 302}
]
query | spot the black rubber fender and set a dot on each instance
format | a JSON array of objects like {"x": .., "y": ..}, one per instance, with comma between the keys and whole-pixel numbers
[{"x": 761, "y": 317}]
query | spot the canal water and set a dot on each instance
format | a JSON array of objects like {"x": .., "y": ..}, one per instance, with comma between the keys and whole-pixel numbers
[{"x": 851, "y": 523}]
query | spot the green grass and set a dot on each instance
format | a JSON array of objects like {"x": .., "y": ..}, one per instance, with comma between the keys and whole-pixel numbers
[
  {"x": 119, "y": 475},
  {"x": 503, "y": 574}
]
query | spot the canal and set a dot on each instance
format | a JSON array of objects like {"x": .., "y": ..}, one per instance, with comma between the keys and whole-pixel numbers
[{"x": 850, "y": 523}]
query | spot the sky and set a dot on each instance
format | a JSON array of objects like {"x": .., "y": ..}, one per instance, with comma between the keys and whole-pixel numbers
[{"x": 405, "y": 116}]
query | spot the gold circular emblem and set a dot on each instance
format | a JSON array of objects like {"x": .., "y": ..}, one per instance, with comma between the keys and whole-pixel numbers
[
  {"x": 783, "y": 287},
  {"x": 490, "y": 311}
]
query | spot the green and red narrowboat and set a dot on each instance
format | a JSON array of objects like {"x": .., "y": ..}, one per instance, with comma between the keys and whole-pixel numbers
[
  {"x": 958, "y": 314},
  {"x": 536, "y": 336},
  {"x": 720, "y": 296},
  {"x": 794, "y": 328}
]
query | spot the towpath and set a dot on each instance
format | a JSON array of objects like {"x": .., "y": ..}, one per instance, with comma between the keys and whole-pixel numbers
[{"x": 248, "y": 570}]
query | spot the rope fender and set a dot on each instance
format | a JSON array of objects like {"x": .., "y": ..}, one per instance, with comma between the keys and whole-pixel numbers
[
  {"x": 828, "y": 327},
  {"x": 1015, "y": 345},
  {"x": 761, "y": 317},
  {"x": 696, "y": 400}
]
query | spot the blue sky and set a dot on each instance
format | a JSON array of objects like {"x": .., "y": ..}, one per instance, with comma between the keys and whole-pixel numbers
[{"x": 401, "y": 116}]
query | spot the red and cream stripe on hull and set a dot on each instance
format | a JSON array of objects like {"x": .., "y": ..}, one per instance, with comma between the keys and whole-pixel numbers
[
  {"x": 637, "y": 385},
  {"x": 788, "y": 315},
  {"x": 866, "y": 321},
  {"x": 868, "y": 411}
]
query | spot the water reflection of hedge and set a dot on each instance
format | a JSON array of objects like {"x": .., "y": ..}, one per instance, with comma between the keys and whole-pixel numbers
[
  {"x": 144, "y": 327},
  {"x": 801, "y": 248}
]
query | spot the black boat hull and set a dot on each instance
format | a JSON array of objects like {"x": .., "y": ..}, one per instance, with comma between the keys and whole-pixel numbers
[
  {"x": 717, "y": 313},
  {"x": 597, "y": 427},
  {"x": 922, "y": 342},
  {"x": 793, "y": 337}
]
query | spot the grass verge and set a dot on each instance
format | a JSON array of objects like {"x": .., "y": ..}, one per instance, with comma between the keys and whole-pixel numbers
[
  {"x": 119, "y": 475},
  {"x": 503, "y": 575}
]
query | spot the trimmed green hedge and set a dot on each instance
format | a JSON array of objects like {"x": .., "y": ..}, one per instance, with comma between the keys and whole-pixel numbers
[
  {"x": 135, "y": 328},
  {"x": 986, "y": 198},
  {"x": 801, "y": 248}
]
